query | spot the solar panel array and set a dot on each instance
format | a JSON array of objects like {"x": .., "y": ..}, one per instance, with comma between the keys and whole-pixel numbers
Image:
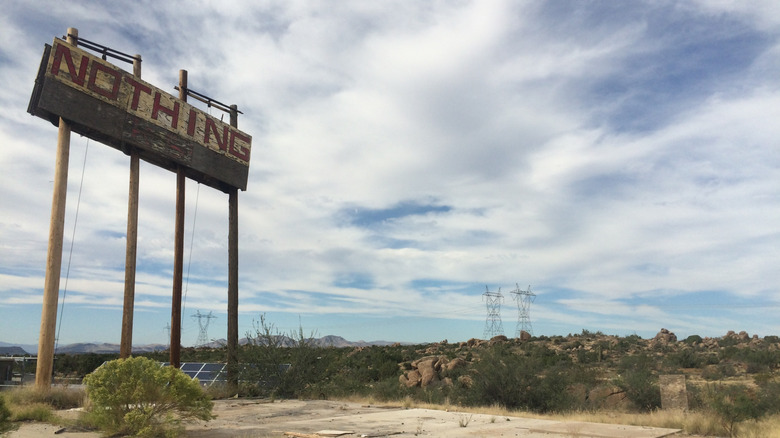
[{"x": 206, "y": 373}]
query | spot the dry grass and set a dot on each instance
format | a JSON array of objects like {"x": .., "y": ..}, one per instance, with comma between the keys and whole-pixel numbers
[
  {"x": 26, "y": 403},
  {"x": 58, "y": 397}
]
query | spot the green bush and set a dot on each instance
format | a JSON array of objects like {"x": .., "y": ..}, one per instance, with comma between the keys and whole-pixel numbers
[
  {"x": 734, "y": 404},
  {"x": 5, "y": 416},
  {"x": 693, "y": 339},
  {"x": 638, "y": 380},
  {"x": 685, "y": 358},
  {"x": 137, "y": 396},
  {"x": 515, "y": 381}
]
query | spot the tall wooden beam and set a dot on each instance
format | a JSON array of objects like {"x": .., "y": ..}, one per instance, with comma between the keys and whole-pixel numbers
[
  {"x": 232, "y": 310},
  {"x": 178, "y": 258},
  {"x": 126, "y": 344},
  {"x": 51, "y": 287}
]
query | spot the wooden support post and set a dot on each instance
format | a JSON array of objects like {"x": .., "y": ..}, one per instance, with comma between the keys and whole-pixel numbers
[
  {"x": 178, "y": 259},
  {"x": 51, "y": 287},
  {"x": 126, "y": 344},
  {"x": 232, "y": 310}
]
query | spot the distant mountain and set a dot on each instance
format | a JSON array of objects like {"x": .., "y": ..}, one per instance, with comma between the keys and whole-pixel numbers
[
  {"x": 105, "y": 348},
  {"x": 338, "y": 341},
  {"x": 13, "y": 351},
  {"x": 28, "y": 348}
]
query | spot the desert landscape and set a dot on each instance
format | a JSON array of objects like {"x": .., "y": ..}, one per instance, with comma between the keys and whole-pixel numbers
[{"x": 585, "y": 384}]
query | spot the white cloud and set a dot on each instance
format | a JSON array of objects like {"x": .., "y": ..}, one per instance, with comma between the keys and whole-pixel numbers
[{"x": 598, "y": 149}]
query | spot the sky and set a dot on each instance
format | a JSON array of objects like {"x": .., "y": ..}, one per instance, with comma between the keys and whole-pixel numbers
[{"x": 620, "y": 159}]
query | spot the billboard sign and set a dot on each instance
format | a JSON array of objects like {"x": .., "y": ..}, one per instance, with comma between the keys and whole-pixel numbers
[{"x": 105, "y": 103}]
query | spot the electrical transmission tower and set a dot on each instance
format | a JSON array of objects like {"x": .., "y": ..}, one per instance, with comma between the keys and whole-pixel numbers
[
  {"x": 493, "y": 326},
  {"x": 203, "y": 334},
  {"x": 524, "y": 299},
  {"x": 168, "y": 330}
]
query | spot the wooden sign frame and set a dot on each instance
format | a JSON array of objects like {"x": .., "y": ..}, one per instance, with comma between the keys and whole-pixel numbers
[{"x": 103, "y": 102}]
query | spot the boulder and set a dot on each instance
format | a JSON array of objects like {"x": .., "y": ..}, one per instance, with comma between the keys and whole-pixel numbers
[
  {"x": 429, "y": 376},
  {"x": 665, "y": 336},
  {"x": 608, "y": 397},
  {"x": 500, "y": 339},
  {"x": 456, "y": 363},
  {"x": 413, "y": 378}
]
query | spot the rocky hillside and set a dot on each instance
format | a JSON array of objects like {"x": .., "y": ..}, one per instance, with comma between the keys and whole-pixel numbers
[{"x": 734, "y": 356}]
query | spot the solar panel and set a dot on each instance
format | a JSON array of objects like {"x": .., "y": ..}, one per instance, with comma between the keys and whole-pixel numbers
[
  {"x": 207, "y": 373},
  {"x": 213, "y": 367}
]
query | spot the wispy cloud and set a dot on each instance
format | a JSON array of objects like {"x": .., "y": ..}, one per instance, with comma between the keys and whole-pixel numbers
[{"x": 620, "y": 158}]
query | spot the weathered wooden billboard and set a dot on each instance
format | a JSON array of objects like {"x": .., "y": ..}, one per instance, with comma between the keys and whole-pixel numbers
[{"x": 103, "y": 102}]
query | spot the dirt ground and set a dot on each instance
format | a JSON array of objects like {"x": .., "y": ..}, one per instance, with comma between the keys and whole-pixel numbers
[{"x": 319, "y": 418}]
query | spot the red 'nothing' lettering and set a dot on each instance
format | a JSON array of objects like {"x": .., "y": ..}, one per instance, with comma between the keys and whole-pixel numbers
[
  {"x": 243, "y": 153},
  {"x": 92, "y": 85},
  {"x": 64, "y": 51},
  {"x": 212, "y": 127},
  {"x": 174, "y": 113},
  {"x": 137, "y": 89},
  {"x": 230, "y": 141}
]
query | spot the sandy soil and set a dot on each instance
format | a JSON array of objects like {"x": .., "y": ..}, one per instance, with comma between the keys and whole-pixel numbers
[{"x": 319, "y": 418}]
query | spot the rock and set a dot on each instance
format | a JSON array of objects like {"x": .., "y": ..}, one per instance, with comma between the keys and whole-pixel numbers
[
  {"x": 525, "y": 336},
  {"x": 466, "y": 381},
  {"x": 413, "y": 378},
  {"x": 665, "y": 336},
  {"x": 429, "y": 376},
  {"x": 500, "y": 339},
  {"x": 608, "y": 397},
  {"x": 456, "y": 363}
]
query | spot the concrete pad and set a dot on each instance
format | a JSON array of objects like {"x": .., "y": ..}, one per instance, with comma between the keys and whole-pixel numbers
[{"x": 318, "y": 418}]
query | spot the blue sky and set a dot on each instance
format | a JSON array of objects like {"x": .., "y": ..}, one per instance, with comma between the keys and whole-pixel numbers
[{"x": 621, "y": 158}]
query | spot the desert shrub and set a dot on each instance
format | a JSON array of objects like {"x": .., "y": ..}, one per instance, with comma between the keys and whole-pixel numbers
[
  {"x": 728, "y": 342},
  {"x": 5, "y": 416},
  {"x": 586, "y": 357},
  {"x": 389, "y": 389},
  {"x": 685, "y": 358},
  {"x": 693, "y": 339},
  {"x": 639, "y": 382},
  {"x": 515, "y": 381},
  {"x": 137, "y": 396},
  {"x": 80, "y": 364},
  {"x": 282, "y": 366},
  {"x": 627, "y": 343},
  {"x": 719, "y": 371},
  {"x": 734, "y": 404}
]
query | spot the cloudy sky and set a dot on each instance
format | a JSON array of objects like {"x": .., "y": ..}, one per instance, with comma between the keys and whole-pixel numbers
[{"x": 621, "y": 158}]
